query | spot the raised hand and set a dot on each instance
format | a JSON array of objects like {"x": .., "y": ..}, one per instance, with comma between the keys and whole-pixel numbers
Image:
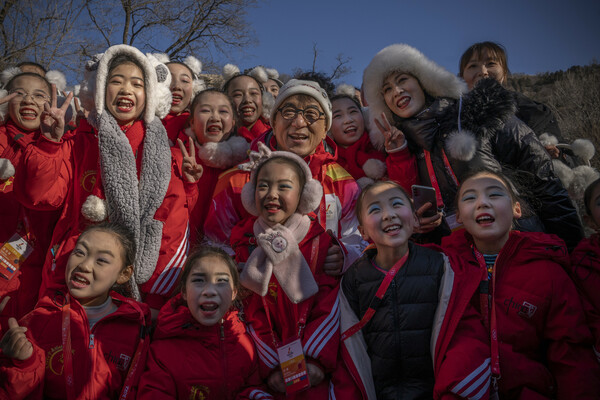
[
  {"x": 192, "y": 171},
  {"x": 427, "y": 224},
  {"x": 14, "y": 343},
  {"x": 394, "y": 137},
  {"x": 80, "y": 112},
  {"x": 7, "y": 98},
  {"x": 53, "y": 118},
  {"x": 334, "y": 261}
]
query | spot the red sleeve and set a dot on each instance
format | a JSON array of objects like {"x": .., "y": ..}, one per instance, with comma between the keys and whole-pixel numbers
[
  {"x": 156, "y": 382},
  {"x": 260, "y": 331},
  {"x": 402, "y": 168},
  {"x": 44, "y": 174},
  {"x": 24, "y": 378}
]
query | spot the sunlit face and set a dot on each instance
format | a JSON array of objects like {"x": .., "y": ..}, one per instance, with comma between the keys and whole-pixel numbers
[
  {"x": 348, "y": 124},
  {"x": 94, "y": 266},
  {"x": 486, "y": 209},
  {"x": 26, "y": 108},
  {"x": 296, "y": 135},
  {"x": 212, "y": 119},
  {"x": 247, "y": 98},
  {"x": 387, "y": 218},
  {"x": 125, "y": 93},
  {"x": 272, "y": 87},
  {"x": 277, "y": 192},
  {"x": 182, "y": 87},
  {"x": 481, "y": 66},
  {"x": 209, "y": 291},
  {"x": 403, "y": 94}
]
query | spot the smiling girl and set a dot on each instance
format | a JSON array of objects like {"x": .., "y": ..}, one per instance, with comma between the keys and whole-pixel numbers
[
  {"x": 541, "y": 347},
  {"x": 103, "y": 330},
  {"x": 200, "y": 348},
  {"x": 118, "y": 166}
]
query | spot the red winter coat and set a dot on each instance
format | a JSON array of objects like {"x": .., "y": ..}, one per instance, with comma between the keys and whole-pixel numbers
[
  {"x": 544, "y": 343},
  {"x": 260, "y": 127},
  {"x": 102, "y": 357},
  {"x": 188, "y": 360},
  {"x": 174, "y": 124},
  {"x": 320, "y": 336},
  {"x": 54, "y": 175},
  {"x": 585, "y": 272},
  {"x": 354, "y": 157},
  {"x": 25, "y": 284}
]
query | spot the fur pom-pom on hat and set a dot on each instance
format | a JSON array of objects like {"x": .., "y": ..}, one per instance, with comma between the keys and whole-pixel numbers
[
  {"x": 94, "y": 209},
  {"x": 7, "y": 74},
  {"x": 260, "y": 74},
  {"x": 311, "y": 195},
  {"x": 548, "y": 140},
  {"x": 7, "y": 169},
  {"x": 229, "y": 71},
  {"x": 374, "y": 168},
  {"x": 58, "y": 79},
  {"x": 3, "y": 107},
  {"x": 345, "y": 89},
  {"x": 274, "y": 75},
  {"x": 584, "y": 149},
  {"x": 461, "y": 145}
]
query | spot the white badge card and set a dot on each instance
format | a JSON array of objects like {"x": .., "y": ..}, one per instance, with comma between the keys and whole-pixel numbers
[
  {"x": 12, "y": 254},
  {"x": 293, "y": 366}
]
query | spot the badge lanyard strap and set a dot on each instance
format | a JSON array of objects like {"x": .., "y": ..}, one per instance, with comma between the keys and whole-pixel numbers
[
  {"x": 376, "y": 300},
  {"x": 492, "y": 323},
  {"x": 433, "y": 178},
  {"x": 66, "y": 346},
  {"x": 129, "y": 379}
]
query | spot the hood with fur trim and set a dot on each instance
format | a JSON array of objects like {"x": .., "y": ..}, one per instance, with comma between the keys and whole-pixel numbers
[{"x": 435, "y": 80}]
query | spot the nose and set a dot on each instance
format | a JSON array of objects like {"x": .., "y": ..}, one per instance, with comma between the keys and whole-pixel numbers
[
  {"x": 272, "y": 193},
  {"x": 215, "y": 116},
  {"x": 299, "y": 121},
  {"x": 85, "y": 265},
  {"x": 388, "y": 213},
  {"x": 482, "y": 202},
  {"x": 28, "y": 98},
  {"x": 484, "y": 71},
  {"x": 209, "y": 290}
]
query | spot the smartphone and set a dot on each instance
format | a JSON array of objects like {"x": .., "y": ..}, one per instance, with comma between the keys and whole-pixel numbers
[{"x": 422, "y": 195}]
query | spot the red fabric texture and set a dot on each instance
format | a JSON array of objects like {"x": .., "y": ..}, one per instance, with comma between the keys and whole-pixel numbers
[
  {"x": 260, "y": 127},
  {"x": 188, "y": 360},
  {"x": 175, "y": 123},
  {"x": 100, "y": 366},
  {"x": 545, "y": 347},
  {"x": 353, "y": 157}
]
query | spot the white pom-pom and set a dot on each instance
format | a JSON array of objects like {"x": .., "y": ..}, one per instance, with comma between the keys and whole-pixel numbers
[
  {"x": 563, "y": 172},
  {"x": 194, "y": 64},
  {"x": 94, "y": 209},
  {"x": 272, "y": 73},
  {"x": 57, "y": 78},
  {"x": 364, "y": 182},
  {"x": 582, "y": 177},
  {"x": 162, "y": 57},
  {"x": 346, "y": 89},
  {"x": 7, "y": 169},
  {"x": 548, "y": 140},
  {"x": 8, "y": 74},
  {"x": 584, "y": 149},
  {"x": 229, "y": 71},
  {"x": 374, "y": 168},
  {"x": 259, "y": 74},
  {"x": 3, "y": 107},
  {"x": 268, "y": 102},
  {"x": 239, "y": 149},
  {"x": 461, "y": 145}
]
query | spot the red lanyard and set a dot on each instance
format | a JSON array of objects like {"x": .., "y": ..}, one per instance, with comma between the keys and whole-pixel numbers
[
  {"x": 492, "y": 323},
  {"x": 433, "y": 178},
  {"x": 132, "y": 373},
  {"x": 66, "y": 347},
  {"x": 376, "y": 300}
]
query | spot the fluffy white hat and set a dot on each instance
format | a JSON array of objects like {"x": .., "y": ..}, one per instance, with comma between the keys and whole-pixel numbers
[
  {"x": 3, "y": 107},
  {"x": 435, "y": 80},
  {"x": 345, "y": 89},
  {"x": 311, "y": 194},
  {"x": 7, "y": 74},
  {"x": 274, "y": 75},
  {"x": 193, "y": 64},
  {"x": 57, "y": 78},
  {"x": 157, "y": 79},
  {"x": 309, "y": 88},
  {"x": 259, "y": 74}
]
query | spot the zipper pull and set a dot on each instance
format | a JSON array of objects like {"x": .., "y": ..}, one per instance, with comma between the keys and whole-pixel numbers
[
  {"x": 222, "y": 331},
  {"x": 91, "y": 346}
]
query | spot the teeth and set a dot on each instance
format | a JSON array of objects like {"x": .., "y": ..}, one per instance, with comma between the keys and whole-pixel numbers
[
  {"x": 485, "y": 219},
  {"x": 209, "y": 307},
  {"x": 80, "y": 279},
  {"x": 392, "y": 228},
  {"x": 125, "y": 102}
]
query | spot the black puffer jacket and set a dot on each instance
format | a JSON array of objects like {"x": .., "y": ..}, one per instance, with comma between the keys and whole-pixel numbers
[
  {"x": 399, "y": 334},
  {"x": 504, "y": 144}
]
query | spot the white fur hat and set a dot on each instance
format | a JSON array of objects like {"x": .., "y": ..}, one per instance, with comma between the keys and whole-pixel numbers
[
  {"x": 435, "y": 80},
  {"x": 260, "y": 75},
  {"x": 157, "y": 80},
  {"x": 309, "y": 88},
  {"x": 311, "y": 194},
  {"x": 193, "y": 64}
]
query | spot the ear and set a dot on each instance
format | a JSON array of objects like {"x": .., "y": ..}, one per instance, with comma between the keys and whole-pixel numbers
[
  {"x": 125, "y": 275},
  {"x": 458, "y": 218},
  {"x": 233, "y": 295},
  {"x": 516, "y": 210},
  {"x": 363, "y": 233}
]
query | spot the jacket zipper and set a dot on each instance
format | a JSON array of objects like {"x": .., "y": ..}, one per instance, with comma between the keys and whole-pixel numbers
[{"x": 224, "y": 362}]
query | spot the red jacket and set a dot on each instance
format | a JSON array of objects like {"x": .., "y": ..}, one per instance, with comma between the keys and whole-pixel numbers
[
  {"x": 544, "y": 343},
  {"x": 320, "y": 335},
  {"x": 585, "y": 272},
  {"x": 190, "y": 361},
  {"x": 260, "y": 127},
  {"x": 54, "y": 175},
  {"x": 38, "y": 225},
  {"x": 354, "y": 157},
  {"x": 174, "y": 124},
  {"x": 102, "y": 358}
]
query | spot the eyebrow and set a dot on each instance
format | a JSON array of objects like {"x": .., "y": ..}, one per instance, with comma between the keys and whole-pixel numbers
[{"x": 84, "y": 244}]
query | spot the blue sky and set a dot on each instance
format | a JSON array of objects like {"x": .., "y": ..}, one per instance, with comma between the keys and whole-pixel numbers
[{"x": 539, "y": 35}]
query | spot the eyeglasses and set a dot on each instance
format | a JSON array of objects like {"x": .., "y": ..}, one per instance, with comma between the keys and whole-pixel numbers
[
  {"x": 311, "y": 114},
  {"x": 38, "y": 97}
]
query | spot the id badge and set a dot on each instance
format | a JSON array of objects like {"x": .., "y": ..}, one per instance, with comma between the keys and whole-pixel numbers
[
  {"x": 293, "y": 366},
  {"x": 12, "y": 254}
]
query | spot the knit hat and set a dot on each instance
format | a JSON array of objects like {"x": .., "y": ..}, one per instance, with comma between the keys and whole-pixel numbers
[
  {"x": 309, "y": 88},
  {"x": 435, "y": 80},
  {"x": 311, "y": 195},
  {"x": 157, "y": 80}
]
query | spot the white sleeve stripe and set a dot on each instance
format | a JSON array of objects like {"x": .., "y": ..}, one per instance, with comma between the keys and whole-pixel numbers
[
  {"x": 333, "y": 328},
  {"x": 174, "y": 269},
  {"x": 477, "y": 385},
  {"x": 173, "y": 259},
  {"x": 484, "y": 389},
  {"x": 331, "y": 391},
  {"x": 333, "y": 315},
  {"x": 259, "y": 394},
  {"x": 264, "y": 352},
  {"x": 273, "y": 355},
  {"x": 597, "y": 353},
  {"x": 485, "y": 365},
  {"x": 178, "y": 269}
]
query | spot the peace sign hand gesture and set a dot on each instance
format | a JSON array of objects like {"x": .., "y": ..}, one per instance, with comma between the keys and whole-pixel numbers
[
  {"x": 7, "y": 98},
  {"x": 53, "y": 118},
  {"x": 192, "y": 171},
  {"x": 394, "y": 138}
]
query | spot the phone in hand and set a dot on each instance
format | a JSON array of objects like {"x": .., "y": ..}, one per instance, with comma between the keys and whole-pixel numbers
[{"x": 422, "y": 195}]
